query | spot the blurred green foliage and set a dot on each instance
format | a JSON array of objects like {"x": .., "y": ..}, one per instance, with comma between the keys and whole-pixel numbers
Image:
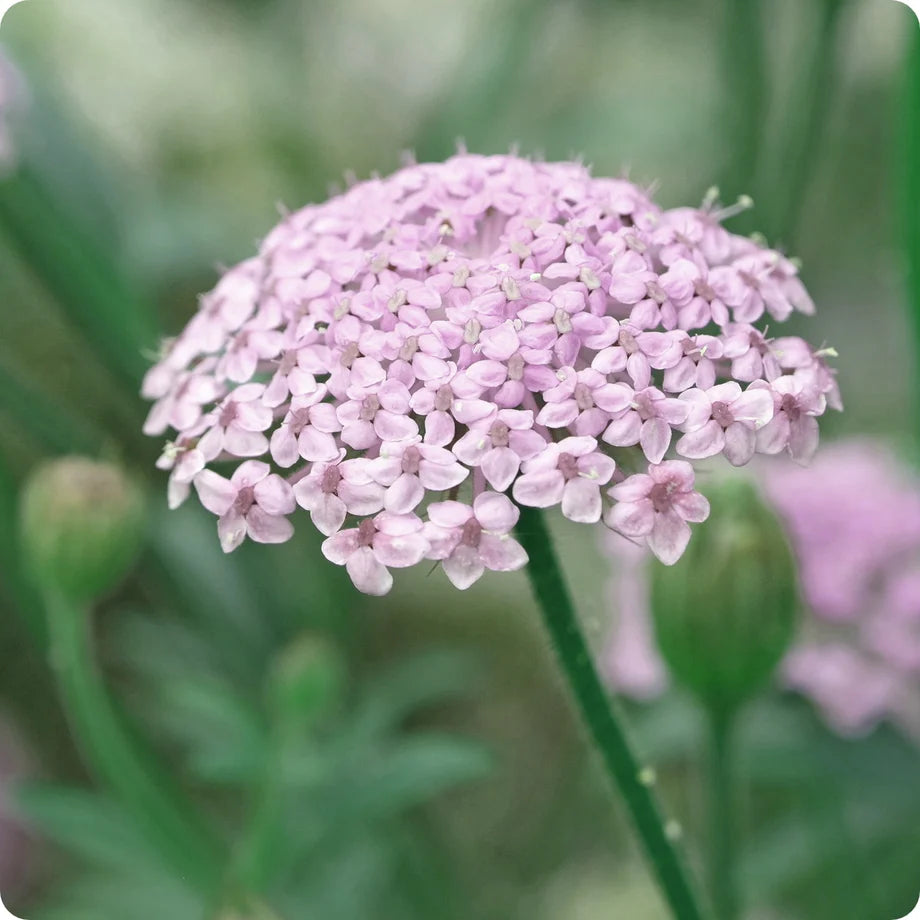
[{"x": 387, "y": 779}]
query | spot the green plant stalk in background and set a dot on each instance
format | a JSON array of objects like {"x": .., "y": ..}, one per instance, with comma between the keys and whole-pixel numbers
[
  {"x": 82, "y": 278},
  {"x": 159, "y": 810},
  {"x": 721, "y": 807},
  {"x": 910, "y": 199},
  {"x": 601, "y": 719}
]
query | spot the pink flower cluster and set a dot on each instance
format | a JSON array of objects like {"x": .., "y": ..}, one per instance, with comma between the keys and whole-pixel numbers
[
  {"x": 397, "y": 359},
  {"x": 854, "y": 521}
]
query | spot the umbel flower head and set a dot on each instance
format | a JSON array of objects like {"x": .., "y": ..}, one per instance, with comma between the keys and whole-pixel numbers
[
  {"x": 410, "y": 359},
  {"x": 853, "y": 520}
]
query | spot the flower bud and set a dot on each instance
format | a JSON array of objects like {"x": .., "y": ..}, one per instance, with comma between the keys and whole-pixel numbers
[
  {"x": 306, "y": 681},
  {"x": 726, "y": 612},
  {"x": 81, "y": 522}
]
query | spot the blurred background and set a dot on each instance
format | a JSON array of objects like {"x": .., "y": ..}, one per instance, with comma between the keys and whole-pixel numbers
[{"x": 417, "y": 756}]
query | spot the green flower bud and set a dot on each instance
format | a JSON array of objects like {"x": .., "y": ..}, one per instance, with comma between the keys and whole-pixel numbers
[
  {"x": 81, "y": 523},
  {"x": 726, "y": 612},
  {"x": 306, "y": 681}
]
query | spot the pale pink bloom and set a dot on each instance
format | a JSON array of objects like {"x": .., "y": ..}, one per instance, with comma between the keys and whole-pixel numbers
[
  {"x": 180, "y": 397},
  {"x": 331, "y": 491},
  {"x": 292, "y": 378},
  {"x": 442, "y": 410},
  {"x": 469, "y": 540},
  {"x": 443, "y": 326},
  {"x": 237, "y": 424},
  {"x": 407, "y": 469},
  {"x": 687, "y": 285},
  {"x": 307, "y": 431},
  {"x": 649, "y": 422},
  {"x": 724, "y": 419},
  {"x": 852, "y": 691},
  {"x": 185, "y": 461},
  {"x": 583, "y": 401},
  {"x": 253, "y": 503},
  {"x": 568, "y": 473},
  {"x": 375, "y": 545},
  {"x": 637, "y": 353},
  {"x": 656, "y": 507},
  {"x": 794, "y": 426},
  {"x": 499, "y": 445}
]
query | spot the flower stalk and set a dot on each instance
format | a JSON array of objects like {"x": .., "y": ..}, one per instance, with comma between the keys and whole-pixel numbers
[
  {"x": 722, "y": 814},
  {"x": 601, "y": 719},
  {"x": 156, "y": 807}
]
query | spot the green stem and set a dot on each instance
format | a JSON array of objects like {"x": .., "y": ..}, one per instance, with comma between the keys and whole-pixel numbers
[
  {"x": 910, "y": 199},
  {"x": 165, "y": 819},
  {"x": 803, "y": 129},
  {"x": 744, "y": 79},
  {"x": 600, "y": 716},
  {"x": 721, "y": 810}
]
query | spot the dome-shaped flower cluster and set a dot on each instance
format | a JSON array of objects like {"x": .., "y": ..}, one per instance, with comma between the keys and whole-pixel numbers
[
  {"x": 399, "y": 358},
  {"x": 853, "y": 519}
]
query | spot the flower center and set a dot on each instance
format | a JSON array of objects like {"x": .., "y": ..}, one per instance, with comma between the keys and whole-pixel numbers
[
  {"x": 444, "y": 398},
  {"x": 472, "y": 531},
  {"x": 583, "y": 398},
  {"x": 628, "y": 341},
  {"x": 287, "y": 363},
  {"x": 660, "y": 495},
  {"x": 300, "y": 418},
  {"x": 515, "y": 367},
  {"x": 349, "y": 353},
  {"x": 331, "y": 479},
  {"x": 369, "y": 408},
  {"x": 722, "y": 413},
  {"x": 499, "y": 433},
  {"x": 366, "y": 532},
  {"x": 568, "y": 466},
  {"x": 790, "y": 405},
  {"x": 245, "y": 499},
  {"x": 228, "y": 414},
  {"x": 409, "y": 348},
  {"x": 411, "y": 459}
]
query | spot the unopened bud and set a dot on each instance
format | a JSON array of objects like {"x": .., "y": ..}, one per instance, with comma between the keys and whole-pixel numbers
[
  {"x": 81, "y": 522},
  {"x": 726, "y": 612}
]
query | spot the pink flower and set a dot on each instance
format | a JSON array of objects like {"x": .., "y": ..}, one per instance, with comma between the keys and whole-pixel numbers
[
  {"x": 499, "y": 445},
  {"x": 443, "y": 331},
  {"x": 366, "y": 551},
  {"x": 331, "y": 491},
  {"x": 569, "y": 473},
  {"x": 253, "y": 503},
  {"x": 656, "y": 508},
  {"x": 236, "y": 425},
  {"x": 723, "y": 419},
  {"x": 794, "y": 427},
  {"x": 408, "y": 468},
  {"x": 649, "y": 423},
  {"x": 469, "y": 540}
]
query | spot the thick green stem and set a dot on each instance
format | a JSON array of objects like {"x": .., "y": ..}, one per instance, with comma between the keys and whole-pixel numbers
[
  {"x": 722, "y": 816},
  {"x": 600, "y": 717},
  {"x": 745, "y": 85},
  {"x": 803, "y": 128},
  {"x": 165, "y": 819},
  {"x": 910, "y": 198}
]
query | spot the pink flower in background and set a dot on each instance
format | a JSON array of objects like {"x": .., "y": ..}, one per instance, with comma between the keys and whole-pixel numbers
[
  {"x": 853, "y": 518},
  {"x": 474, "y": 327}
]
